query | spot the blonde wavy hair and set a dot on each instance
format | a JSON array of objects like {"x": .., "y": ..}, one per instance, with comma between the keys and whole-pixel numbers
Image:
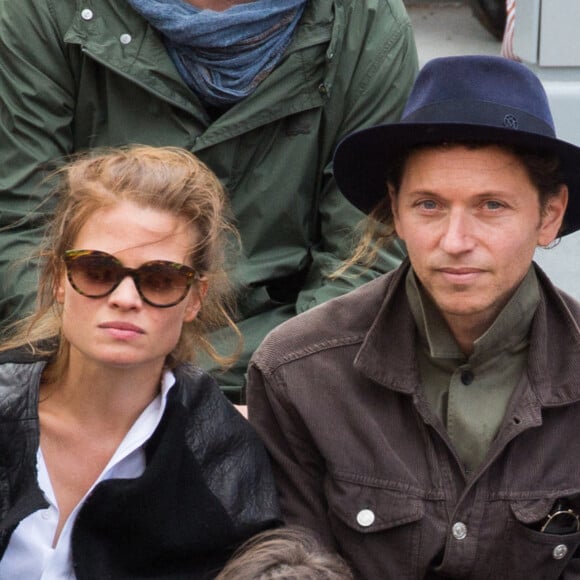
[{"x": 167, "y": 179}]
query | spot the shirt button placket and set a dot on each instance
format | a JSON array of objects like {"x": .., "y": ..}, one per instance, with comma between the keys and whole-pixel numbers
[{"x": 467, "y": 376}]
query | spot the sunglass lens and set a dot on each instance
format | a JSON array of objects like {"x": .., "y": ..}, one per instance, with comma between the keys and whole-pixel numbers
[
  {"x": 163, "y": 283},
  {"x": 94, "y": 275}
]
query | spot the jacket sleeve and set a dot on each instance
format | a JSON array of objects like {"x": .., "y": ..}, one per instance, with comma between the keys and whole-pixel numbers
[
  {"x": 298, "y": 468},
  {"x": 384, "y": 65},
  {"x": 36, "y": 111}
]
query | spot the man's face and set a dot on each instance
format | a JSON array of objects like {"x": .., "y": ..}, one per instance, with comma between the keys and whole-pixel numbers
[{"x": 471, "y": 221}]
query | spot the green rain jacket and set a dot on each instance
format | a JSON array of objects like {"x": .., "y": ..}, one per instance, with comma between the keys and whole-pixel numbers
[{"x": 80, "y": 74}]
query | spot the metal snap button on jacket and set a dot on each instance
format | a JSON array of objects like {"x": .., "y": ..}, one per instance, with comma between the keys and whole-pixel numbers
[
  {"x": 365, "y": 518},
  {"x": 459, "y": 531},
  {"x": 559, "y": 551}
]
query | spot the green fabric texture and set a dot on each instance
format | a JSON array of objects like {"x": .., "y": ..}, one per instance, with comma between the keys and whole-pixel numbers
[
  {"x": 472, "y": 413},
  {"x": 82, "y": 75}
]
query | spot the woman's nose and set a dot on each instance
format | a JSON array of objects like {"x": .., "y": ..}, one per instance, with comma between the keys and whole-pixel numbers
[{"x": 126, "y": 294}]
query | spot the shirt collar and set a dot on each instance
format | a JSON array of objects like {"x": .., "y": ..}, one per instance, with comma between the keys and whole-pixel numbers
[{"x": 509, "y": 330}]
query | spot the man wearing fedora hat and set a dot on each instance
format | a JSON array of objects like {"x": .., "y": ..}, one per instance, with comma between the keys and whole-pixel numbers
[{"x": 427, "y": 425}]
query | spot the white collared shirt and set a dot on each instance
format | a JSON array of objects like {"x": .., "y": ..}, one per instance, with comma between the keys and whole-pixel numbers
[{"x": 29, "y": 554}]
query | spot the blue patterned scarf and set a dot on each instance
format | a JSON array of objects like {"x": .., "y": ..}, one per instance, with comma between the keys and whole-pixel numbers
[{"x": 223, "y": 56}]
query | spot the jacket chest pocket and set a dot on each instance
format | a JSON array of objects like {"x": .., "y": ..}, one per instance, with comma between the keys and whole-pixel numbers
[
  {"x": 525, "y": 551},
  {"x": 378, "y": 529}
]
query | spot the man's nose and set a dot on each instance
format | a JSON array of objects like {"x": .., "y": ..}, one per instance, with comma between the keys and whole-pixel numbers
[{"x": 459, "y": 234}]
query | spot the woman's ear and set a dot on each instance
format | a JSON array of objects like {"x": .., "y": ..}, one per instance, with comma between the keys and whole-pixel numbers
[
  {"x": 195, "y": 300},
  {"x": 59, "y": 289}
]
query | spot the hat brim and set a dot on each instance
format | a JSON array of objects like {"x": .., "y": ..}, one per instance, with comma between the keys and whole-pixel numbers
[{"x": 361, "y": 161}]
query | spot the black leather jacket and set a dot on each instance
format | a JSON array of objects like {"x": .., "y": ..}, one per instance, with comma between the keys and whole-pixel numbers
[{"x": 207, "y": 485}]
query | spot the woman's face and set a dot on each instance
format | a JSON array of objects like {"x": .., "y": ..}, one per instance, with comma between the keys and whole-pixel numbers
[{"x": 121, "y": 330}]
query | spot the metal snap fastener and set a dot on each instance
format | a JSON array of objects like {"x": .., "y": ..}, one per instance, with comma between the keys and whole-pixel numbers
[
  {"x": 125, "y": 38},
  {"x": 87, "y": 14},
  {"x": 365, "y": 518},
  {"x": 459, "y": 531},
  {"x": 559, "y": 551}
]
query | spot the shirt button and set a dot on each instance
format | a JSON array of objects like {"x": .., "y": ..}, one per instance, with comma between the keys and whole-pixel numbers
[
  {"x": 459, "y": 531},
  {"x": 125, "y": 38},
  {"x": 45, "y": 515},
  {"x": 467, "y": 377},
  {"x": 87, "y": 14},
  {"x": 365, "y": 518},
  {"x": 559, "y": 551}
]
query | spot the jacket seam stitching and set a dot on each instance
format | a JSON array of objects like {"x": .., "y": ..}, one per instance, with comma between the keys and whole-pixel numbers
[{"x": 314, "y": 348}]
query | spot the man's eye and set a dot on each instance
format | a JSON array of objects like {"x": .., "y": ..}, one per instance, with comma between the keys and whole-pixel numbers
[
  {"x": 493, "y": 205},
  {"x": 428, "y": 204}
]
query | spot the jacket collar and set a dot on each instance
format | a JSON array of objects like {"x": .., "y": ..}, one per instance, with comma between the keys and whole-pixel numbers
[
  {"x": 387, "y": 355},
  {"x": 554, "y": 359},
  {"x": 19, "y": 383},
  {"x": 295, "y": 85}
]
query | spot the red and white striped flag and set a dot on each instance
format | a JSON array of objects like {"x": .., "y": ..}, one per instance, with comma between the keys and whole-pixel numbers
[{"x": 507, "y": 45}]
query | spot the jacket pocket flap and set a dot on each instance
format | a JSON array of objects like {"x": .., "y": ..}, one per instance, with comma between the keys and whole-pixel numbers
[
  {"x": 530, "y": 511},
  {"x": 368, "y": 509}
]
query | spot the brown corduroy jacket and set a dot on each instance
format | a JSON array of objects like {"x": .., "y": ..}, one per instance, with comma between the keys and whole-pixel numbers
[{"x": 360, "y": 457}]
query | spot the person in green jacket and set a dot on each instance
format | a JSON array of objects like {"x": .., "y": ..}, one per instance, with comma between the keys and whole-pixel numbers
[{"x": 261, "y": 91}]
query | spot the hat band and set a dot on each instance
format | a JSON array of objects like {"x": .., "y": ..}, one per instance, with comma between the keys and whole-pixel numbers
[{"x": 484, "y": 113}]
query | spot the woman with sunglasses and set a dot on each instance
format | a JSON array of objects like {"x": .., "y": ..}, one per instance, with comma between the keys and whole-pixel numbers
[{"x": 118, "y": 457}]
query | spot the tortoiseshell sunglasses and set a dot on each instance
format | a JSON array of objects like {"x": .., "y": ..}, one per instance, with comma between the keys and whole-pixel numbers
[{"x": 95, "y": 274}]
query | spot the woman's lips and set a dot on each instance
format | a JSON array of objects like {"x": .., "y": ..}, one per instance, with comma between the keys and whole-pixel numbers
[{"x": 122, "y": 330}]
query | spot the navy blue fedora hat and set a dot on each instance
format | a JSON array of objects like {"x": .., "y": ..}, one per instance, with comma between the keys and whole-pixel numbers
[{"x": 461, "y": 98}]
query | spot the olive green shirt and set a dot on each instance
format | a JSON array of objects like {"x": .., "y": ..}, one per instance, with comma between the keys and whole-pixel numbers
[{"x": 470, "y": 394}]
